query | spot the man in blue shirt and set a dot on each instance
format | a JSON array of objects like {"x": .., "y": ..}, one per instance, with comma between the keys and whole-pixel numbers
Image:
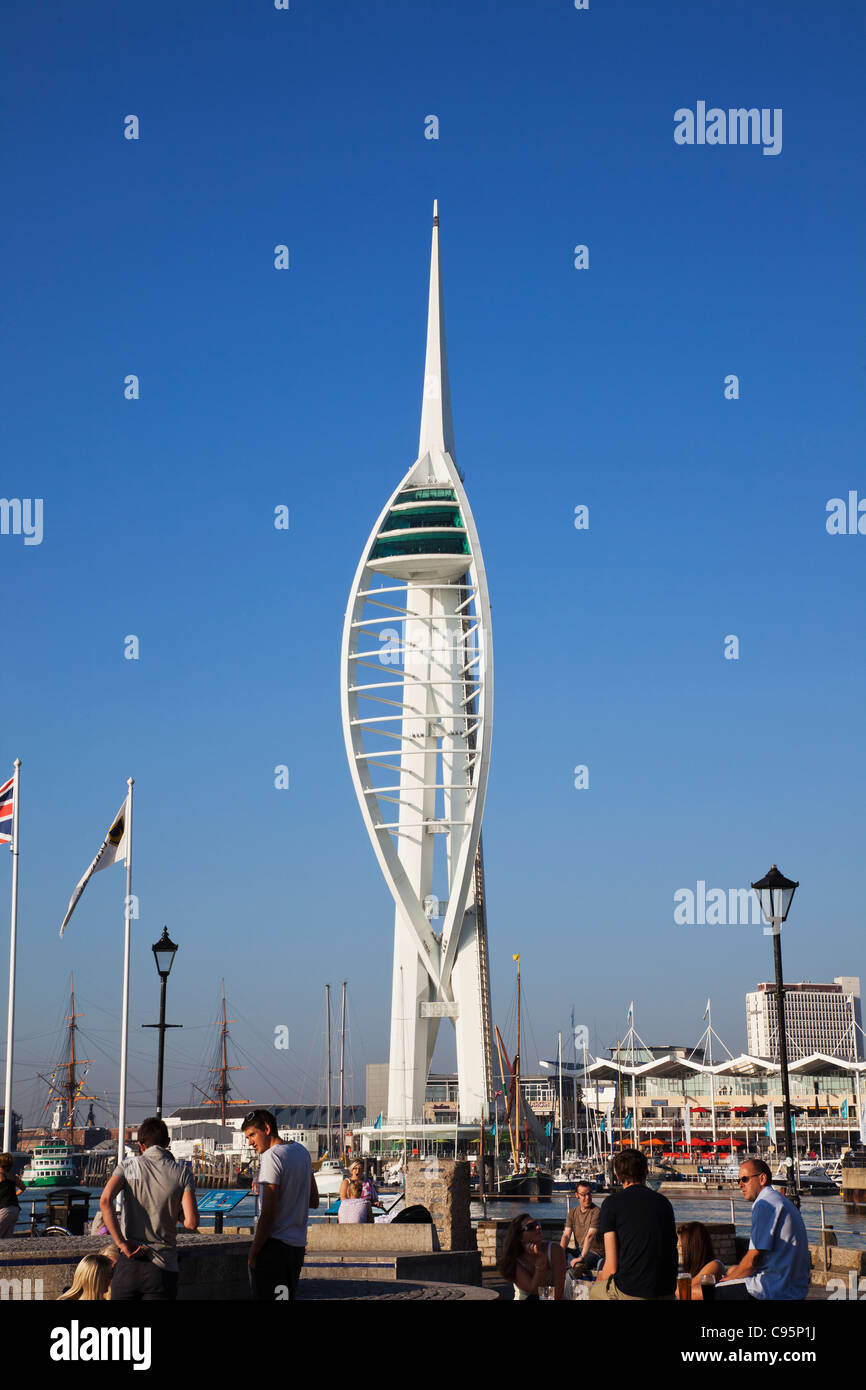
[{"x": 776, "y": 1265}]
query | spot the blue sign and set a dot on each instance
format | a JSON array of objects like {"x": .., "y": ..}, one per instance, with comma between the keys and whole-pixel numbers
[{"x": 221, "y": 1200}]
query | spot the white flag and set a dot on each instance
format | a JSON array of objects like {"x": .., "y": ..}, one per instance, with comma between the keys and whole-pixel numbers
[
  {"x": 707, "y": 1009},
  {"x": 115, "y": 847},
  {"x": 630, "y": 1013}
]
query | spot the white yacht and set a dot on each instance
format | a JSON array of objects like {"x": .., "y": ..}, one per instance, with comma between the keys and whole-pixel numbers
[{"x": 329, "y": 1177}]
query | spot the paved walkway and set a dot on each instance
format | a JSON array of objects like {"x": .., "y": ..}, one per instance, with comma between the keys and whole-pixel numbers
[{"x": 385, "y": 1290}]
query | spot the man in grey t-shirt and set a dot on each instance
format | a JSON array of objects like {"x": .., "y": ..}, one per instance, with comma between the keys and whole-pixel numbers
[
  {"x": 288, "y": 1190},
  {"x": 156, "y": 1188}
]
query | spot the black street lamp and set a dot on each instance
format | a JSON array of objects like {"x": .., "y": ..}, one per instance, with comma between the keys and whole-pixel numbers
[
  {"x": 775, "y": 893},
  {"x": 163, "y": 953}
]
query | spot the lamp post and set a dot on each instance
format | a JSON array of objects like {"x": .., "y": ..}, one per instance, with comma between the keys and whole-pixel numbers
[
  {"x": 163, "y": 953},
  {"x": 775, "y": 893}
]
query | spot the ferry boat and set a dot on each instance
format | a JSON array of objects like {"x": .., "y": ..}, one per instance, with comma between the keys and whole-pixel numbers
[{"x": 50, "y": 1166}]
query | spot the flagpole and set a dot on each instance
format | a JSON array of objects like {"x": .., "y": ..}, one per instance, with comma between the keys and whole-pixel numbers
[
  {"x": 709, "y": 1016},
  {"x": 13, "y": 936},
  {"x": 124, "y": 1025}
]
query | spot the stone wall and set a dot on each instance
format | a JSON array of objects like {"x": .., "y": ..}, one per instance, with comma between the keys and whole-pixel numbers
[
  {"x": 491, "y": 1238},
  {"x": 209, "y": 1266},
  {"x": 442, "y": 1186},
  {"x": 841, "y": 1263}
]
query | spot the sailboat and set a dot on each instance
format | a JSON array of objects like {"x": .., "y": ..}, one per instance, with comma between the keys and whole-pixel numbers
[
  {"x": 525, "y": 1180},
  {"x": 53, "y": 1161}
]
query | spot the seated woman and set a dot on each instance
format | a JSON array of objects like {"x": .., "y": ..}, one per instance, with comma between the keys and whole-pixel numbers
[
  {"x": 696, "y": 1254},
  {"x": 91, "y": 1280},
  {"x": 356, "y": 1174},
  {"x": 530, "y": 1262},
  {"x": 354, "y": 1209}
]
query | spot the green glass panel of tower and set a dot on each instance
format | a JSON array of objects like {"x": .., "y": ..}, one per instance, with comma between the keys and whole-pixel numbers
[
  {"x": 430, "y": 543},
  {"x": 427, "y": 494},
  {"x": 430, "y": 518}
]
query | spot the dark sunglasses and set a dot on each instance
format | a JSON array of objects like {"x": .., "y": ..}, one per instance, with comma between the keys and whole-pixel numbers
[{"x": 532, "y": 1226}]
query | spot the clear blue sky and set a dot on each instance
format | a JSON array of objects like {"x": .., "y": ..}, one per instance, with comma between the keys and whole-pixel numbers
[{"x": 303, "y": 387}]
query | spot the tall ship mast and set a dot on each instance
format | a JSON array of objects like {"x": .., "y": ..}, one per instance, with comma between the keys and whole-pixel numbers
[
  {"x": 220, "y": 1090},
  {"x": 65, "y": 1085}
]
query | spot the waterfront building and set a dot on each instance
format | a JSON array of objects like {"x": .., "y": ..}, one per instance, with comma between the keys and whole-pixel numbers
[
  {"x": 669, "y": 1098},
  {"x": 307, "y": 1124},
  {"x": 416, "y": 683},
  {"x": 818, "y": 1018}
]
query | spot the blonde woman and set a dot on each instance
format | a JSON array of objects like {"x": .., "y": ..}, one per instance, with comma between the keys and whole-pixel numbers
[
  {"x": 92, "y": 1280},
  {"x": 356, "y": 1174}
]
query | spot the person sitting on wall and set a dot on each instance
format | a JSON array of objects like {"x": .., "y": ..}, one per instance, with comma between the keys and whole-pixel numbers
[
  {"x": 696, "y": 1255},
  {"x": 354, "y": 1209},
  {"x": 530, "y": 1262}
]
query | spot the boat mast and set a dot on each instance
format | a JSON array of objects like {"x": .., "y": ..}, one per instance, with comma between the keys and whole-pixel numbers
[
  {"x": 585, "y": 1108},
  {"x": 517, "y": 1071},
  {"x": 71, "y": 1076},
  {"x": 342, "y": 1066},
  {"x": 619, "y": 1089},
  {"x": 69, "y": 1090},
  {"x": 328, "y": 1036},
  {"x": 506, "y": 1093},
  {"x": 221, "y": 1088},
  {"x": 561, "y": 1115}
]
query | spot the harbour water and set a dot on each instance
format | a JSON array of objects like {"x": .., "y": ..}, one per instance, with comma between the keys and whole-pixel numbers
[{"x": 849, "y": 1227}]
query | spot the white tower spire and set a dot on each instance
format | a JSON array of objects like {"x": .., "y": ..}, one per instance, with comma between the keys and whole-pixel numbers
[
  {"x": 437, "y": 428},
  {"x": 417, "y": 697}
]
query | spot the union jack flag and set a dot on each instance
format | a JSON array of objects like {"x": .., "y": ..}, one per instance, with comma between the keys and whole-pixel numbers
[{"x": 7, "y": 809}]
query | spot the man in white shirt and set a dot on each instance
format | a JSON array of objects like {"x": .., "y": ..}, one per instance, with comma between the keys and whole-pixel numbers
[
  {"x": 287, "y": 1190},
  {"x": 776, "y": 1266}
]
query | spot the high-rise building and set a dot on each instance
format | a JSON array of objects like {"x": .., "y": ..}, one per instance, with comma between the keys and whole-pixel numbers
[
  {"x": 818, "y": 1018},
  {"x": 417, "y": 699}
]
